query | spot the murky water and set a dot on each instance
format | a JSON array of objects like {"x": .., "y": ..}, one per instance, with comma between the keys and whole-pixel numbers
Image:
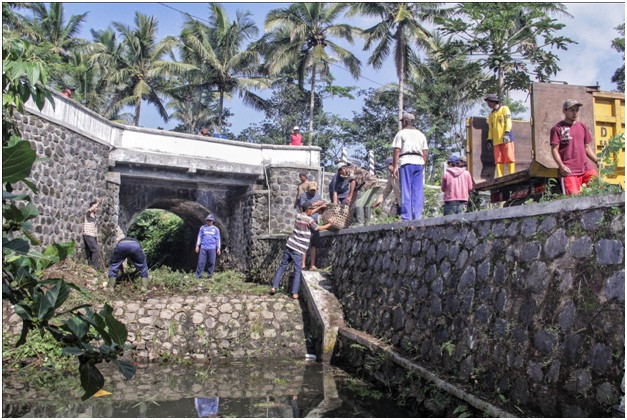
[{"x": 269, "y": 388}]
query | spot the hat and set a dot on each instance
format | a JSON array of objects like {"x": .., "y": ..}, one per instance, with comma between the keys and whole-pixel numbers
[
  {"x": 295, "y": 128},
  {"x": 312, "y": 186},
  {"x": 389, "y": 161},
  {"x": 453, "y": 159},
  {"x": 408, "y": 117},
  {"x": 570, "y": 103},
  {"x": 492, "y": 98},
  {"x": 210, "y": 217},
  {"x": 342, "y": 164}
]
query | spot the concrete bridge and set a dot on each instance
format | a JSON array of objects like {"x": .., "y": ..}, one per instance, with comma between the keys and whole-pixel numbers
[{"x": 188, "y": 175}]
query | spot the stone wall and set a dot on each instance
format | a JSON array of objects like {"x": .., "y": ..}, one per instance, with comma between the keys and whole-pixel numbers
[
  {"x": 524, "y": 302},
  {"x": 207, "y": 327},
  {"x": 77, "y": 176}
]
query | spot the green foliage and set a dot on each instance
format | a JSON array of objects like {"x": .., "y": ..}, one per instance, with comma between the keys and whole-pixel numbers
[
  {"x": 39, "y": 302},
  {"x": 618, "y": 44},
  {"x": 449, "y": 347}
]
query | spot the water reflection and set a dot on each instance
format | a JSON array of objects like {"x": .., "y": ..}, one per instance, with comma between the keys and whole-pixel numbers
[{"x": 271, "y": 388}]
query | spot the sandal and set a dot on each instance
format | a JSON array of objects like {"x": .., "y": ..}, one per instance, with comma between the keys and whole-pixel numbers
[
  {"x": 295, "y": 296},
  {"x": 313, "y": 268},
  {"x": 273, "y": 291}
]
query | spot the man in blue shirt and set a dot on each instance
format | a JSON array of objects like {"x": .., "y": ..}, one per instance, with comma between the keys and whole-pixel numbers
[{"x": 207, "y": 246}]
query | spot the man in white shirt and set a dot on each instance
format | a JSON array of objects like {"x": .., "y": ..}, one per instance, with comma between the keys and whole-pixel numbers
[{"x": 410, "y": 156}]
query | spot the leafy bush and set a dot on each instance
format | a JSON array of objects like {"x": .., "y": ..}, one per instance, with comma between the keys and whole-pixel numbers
[{"x": 78, "y": 331}]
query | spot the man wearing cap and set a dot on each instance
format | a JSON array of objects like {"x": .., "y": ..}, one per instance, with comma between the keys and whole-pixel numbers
[
  {"x": 297, "y": 138},
  {"x": 571, "y": 147},
  {"x": 361, "y": 189},
  {"x": 68, "y": 91},
  {"x": 128, "y": 248},
  {"x": 312, "y": 197},
  {"x": 392, "y": 184},
  {"x": 302, "y": 188},
  {"x": 410, "y": 157},
  {"x": 456, "y": 184},
  {"x": 207, "y": 246},
  {"x": 500, "y": 138}
]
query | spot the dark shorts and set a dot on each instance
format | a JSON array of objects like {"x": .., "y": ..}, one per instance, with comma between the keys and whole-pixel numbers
[{"x": 315, "y": 239}]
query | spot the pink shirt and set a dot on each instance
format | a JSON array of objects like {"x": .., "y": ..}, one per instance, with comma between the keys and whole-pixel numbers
[
  {"x": 572, "y": 140},
  {"x": 297, "y": 140},
  {"x": 456, "y": 183}
]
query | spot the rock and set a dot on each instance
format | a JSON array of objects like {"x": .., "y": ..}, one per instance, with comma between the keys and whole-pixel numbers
[
  {"x": 614, "y": 287},
  {"x": 556, "y": 244},
  {"x": 545, "y": 342},
  {"x": 610, "y": 252}
]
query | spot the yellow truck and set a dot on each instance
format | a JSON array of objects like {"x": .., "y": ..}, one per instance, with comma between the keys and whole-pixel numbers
[{"x": 602, "y": 112}]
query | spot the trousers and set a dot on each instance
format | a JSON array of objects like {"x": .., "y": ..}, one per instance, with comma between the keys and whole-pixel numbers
[
  {"x": 132, "y": 250},
  {"x": 289, "y": 255},
  {"x": 206, "y": 255},
  {"x": 412, "y": 200},
  {"x": 92, "y": 249}
]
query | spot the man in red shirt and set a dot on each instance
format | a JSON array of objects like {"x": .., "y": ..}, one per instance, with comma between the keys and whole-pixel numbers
[
  {"x": 571, "y": 147},
  {"x": 297, "y": 138}
]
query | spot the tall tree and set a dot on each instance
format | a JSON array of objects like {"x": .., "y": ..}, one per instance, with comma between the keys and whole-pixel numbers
[
  {"x": 48, "y": 25},
  {"x": 401, "y": 26},
  {"x": 301, "y": 35},
  {"x": 512, "y": 40},
  {"x": 619, "y": 45},
  {"x": 219, "y": 53},
  {"x": 142, "y": 72}
]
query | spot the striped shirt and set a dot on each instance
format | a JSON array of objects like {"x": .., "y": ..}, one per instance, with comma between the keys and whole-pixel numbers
[
  {"x": 89, "y": 225},
  {"x": 300, "y": 237}
]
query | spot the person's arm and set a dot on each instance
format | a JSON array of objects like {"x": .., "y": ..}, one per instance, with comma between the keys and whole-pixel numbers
[
  {"x": 562, "y": 169},
  {"x": 425, "y": 153},
  {"x": 591, "y": 155},
  {"x": 389, "y": 186},
  {"x": 198, "y": 240},
  {"x": 96, "y": 205},
  {"x": 395, "y": 163},
  {"x": 443, "y": 183},
  {"x": 334, "y": 197},
  {"x": 349, "y": 198}
]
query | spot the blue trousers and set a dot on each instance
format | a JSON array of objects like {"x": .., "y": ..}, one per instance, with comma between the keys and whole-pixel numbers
[
  {"x": 206, "y": 255},
  {"x": 411, "y": 191},
  {"x": 289, "y": 255},
  {"x": 132, "y": 250}
]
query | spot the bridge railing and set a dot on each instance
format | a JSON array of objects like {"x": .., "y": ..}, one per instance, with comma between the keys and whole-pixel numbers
[{"x": 76, "y": 117}]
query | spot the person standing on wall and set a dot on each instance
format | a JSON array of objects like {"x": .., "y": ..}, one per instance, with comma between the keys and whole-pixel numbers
[
  {"x": 571, "y": 147},
  {"x": 207, "y": 247},
  {"x": 296, "y": 137},
  {"x": 392, "y": 184},
  {"x": 313, "y": 198},
  {"x": 456, "y": 184},
  {"x": 500, "y": 138},
  {"x": 296, "y": 247},
  {"x": 90, "y": 234},
  {"x": 410, "y": 157},
  {"x": 362, "y": 188},
  {"x": 68, "y": 91}
]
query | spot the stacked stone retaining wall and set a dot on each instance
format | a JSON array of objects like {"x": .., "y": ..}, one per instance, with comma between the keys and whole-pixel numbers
[
  {"x": 526, "y": 302},
  {"x": 206, "y": 327}
]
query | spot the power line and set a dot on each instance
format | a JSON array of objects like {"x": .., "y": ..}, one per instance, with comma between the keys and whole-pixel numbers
[{"x": 184, "y": 13}]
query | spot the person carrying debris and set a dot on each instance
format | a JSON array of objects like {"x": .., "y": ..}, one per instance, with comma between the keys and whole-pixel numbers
[
  {"x": 296, "y": 247},
  {"x": 207, "y": 247},
  {"x": 500, "y": 137},
  {"x": 392, "y": 184},
  {"x": 361, "y": 189},
  {"x": 314, "y": 199},
  {"x": 128, "y": 248}
]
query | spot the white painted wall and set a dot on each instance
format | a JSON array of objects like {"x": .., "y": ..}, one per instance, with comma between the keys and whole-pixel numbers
[{"x": 74, "y": 116}]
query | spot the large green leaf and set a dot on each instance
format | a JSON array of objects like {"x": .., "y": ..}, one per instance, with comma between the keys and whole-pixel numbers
[
  {"x": 17, "y": 162},
  {"x": 99, "y": 324},
  {"x": 117, "y": 330},
  {"x": 17, "y": 245},
  {"x": 58, "y": 294},
  {"x": 127, "y": 369},
  {"x": 91, "y": 378},
  {"x": 72, "y": 351},
  {"x": 42, "y": 308},
  {"x": 77, "y": 326},
  {"x": 61, "y": 250},
  {"x": 23, "y": 311}
]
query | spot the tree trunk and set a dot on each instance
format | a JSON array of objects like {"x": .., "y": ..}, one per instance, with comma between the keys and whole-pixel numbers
[
  {"x": 401, "y": 80},
  {"x": 220, "y": 112},
  {"x": 311, "y": 104},
  {"x": 501, "y": 83},
  {"x": 138, "y": 106}
]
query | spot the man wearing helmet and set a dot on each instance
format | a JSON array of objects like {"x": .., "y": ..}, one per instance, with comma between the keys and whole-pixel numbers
[{"x": 207, "y": 247}]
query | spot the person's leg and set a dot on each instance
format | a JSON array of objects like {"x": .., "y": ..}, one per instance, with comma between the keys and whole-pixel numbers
[
  {"x": 211, "y": 254},
  {"x": 296, "y": 256},
  {"x": 571, "y": 184},
  {"x": 510, "y": 157},
  {"x": 589, "y": 176},
  {"x": 139, "y": 261},
  {"x": 117, "y": 259},
  {"x": 448, "y": 208},
  {"x": 370, "y": 197},
  {"x": 359, "y": 216},
  {"x": 202, "y": 261},
  {"x": 87, "y": 248},
  {"x": 405, "y": 192},
  {"x": 285, "y": 260},
  {"x": 498, "y": 160},
  {"x": 94, "y": 251},
  {"x": 312, "y": 253},
  {"x": 417, "y": 196},
  {"x": 462, "y": 207}
]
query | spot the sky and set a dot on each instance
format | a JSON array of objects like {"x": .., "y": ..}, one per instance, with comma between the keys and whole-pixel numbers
[{"x": 590, "y": 61}]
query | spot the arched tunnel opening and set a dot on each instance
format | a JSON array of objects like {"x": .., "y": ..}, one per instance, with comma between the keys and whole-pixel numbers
[{"x": 168, "y": 230}]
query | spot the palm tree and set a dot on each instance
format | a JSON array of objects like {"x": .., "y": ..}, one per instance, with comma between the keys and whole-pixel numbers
[
  {"x": 300, "y": 35},
  {"x": 400, "y": 27},
  {"x": 193, "y": 106},
  {"x": 141, "y": 73},
  {"x": 47, "y": 25},
  {"x": 217, "y": 51}
]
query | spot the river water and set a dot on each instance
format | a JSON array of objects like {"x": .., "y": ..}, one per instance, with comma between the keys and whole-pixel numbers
[{"x": 254, "y": 388}]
